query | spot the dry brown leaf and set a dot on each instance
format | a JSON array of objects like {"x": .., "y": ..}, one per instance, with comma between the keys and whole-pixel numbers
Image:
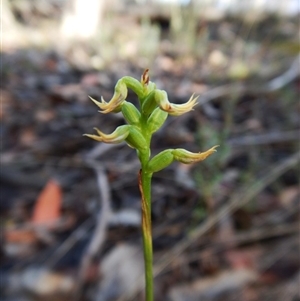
[{"x": 47, "y": 208}]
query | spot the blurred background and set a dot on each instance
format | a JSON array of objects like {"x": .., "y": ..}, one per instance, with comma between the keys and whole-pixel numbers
[{"x": 224, "y": 229}]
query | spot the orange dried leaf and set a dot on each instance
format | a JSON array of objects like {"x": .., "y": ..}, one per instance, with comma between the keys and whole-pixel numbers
[
  {"x": 48, "y": 204},
  {"x": 26, "y": 236}
]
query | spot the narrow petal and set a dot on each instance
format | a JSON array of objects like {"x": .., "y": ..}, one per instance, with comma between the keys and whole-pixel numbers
[{"x": 95, "y": 137}]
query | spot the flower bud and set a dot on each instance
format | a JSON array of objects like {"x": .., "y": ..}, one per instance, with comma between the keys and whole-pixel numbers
[
  {"x": 156, "y": 120},
  {"x": 160, "y": 161},
  {"x": 136, "y": 139},
  {"x": 187, "y": 157},
  {"x": 131, "y": 113}
]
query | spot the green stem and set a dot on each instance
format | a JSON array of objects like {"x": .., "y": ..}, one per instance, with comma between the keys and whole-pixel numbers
[{"x": 145, "y": 189}]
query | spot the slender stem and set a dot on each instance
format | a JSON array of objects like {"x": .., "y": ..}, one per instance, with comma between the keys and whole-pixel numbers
[{"x": 145, "y": 189}]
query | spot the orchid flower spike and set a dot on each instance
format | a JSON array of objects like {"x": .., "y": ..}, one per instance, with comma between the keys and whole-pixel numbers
[{"x": 142, "y": 123}]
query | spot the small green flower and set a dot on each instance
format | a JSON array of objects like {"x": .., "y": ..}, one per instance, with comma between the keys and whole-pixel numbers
[
  {"x": 119, "y": 135},
  {"x": 187, "y": 157},
  {"x": 115, "y": 104},
  {"x": 161, "y": 99},
  {"x": 166, "y": 157}
]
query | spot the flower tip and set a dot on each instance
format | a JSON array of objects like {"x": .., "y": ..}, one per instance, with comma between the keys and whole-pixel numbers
[
  {"x": 93, "y": 100},
  {"x": 211, "y": 150},
  {"x": 193, "y": 100},
  {"x": 145, "y": 77}
]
